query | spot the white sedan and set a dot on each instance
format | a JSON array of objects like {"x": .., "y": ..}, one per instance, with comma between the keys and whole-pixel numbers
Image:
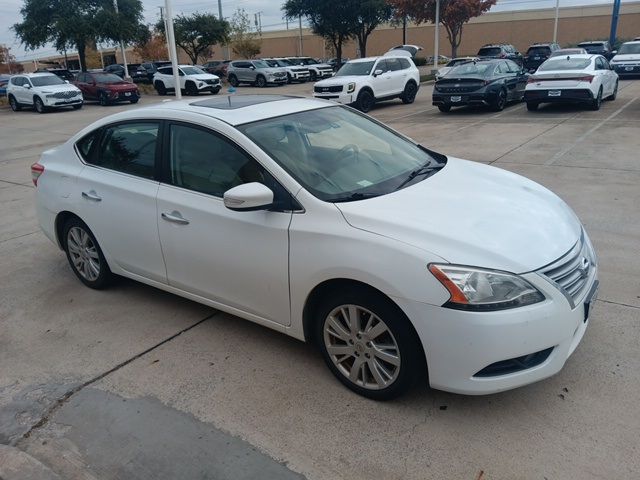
[
  {"x": 193, "y": 80},
  {"x": 312, "y": 219},
  {"x": 582, "y": 78}
]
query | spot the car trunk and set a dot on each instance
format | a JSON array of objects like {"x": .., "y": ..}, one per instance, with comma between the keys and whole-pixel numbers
[
  {"x": 564, "y": 79},
  {"x": 460, "y": 85}
]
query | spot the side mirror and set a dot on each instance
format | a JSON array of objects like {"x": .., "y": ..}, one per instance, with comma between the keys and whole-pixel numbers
[
  {"x": 248, "y": 197},
  {"x": 252, "y": 67},
  {"x": 377, "y": 72},
  {"x": 26, "y": 85},
  {"x": 66, "y": 81},
  {"x": 614, "y": 52}
]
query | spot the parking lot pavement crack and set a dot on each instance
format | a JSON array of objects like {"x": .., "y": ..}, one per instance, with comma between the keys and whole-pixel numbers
[
  {"x": 27, "y": 185},
  {"x": 618, "y": 303},
  {"x": 61, "y": 401},
  {"x": 586, "y": 134},
  {"x": 18, "y": 236}
]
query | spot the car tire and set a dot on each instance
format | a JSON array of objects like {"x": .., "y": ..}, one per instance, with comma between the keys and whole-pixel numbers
[
  {"x": 313, "y": 76},
  {"x": 351, "y": 327},
  {"x": 261, "y": 82},
  {"x": 365, "y": 101},
  {"x": 532, "y": 106},
  {"x": 160, "y": 88},
  {"x": 289, "y": 79},
  {"x": 500, "y": 102},
  {"x": 15, "y": 106},
  {"x": 215, "y": 91},
  {"x": 85, "y": 255},
  {"x": 191, "y": 89},
  {"x": 38, "y": 105},
  {"x": 233, "y": 81},
  {"x": 595, "y": 103},
  {"x": 409, "y": 94},
  {"x": 77, "y": 107},
  {"x": 444, "y": 108},
  {"x": 134, "y": 100},
  {"x": 614, "y": 95},
  {"x": 103, "y": 99}
]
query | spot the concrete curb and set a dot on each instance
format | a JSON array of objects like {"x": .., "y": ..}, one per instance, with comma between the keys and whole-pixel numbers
[{"x": 17, "y": 465}]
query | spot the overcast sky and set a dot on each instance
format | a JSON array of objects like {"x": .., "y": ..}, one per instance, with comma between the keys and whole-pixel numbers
[{"x": 271, "y": 15}]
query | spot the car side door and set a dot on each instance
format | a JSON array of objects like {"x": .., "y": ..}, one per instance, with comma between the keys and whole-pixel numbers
[
  {"x": 18, "y": 89},
  {"x": 601, "y": 74},
  {"x": 398, "y": 75},
  {"x": 243, "y": 72},
  {"x": 519, "y": 78},
  {"x": 115, "y": 194},
  {"x": 165, "y": 74},
  {"x": 235, "y": 259},
  {"x": 382, "y": 82}
]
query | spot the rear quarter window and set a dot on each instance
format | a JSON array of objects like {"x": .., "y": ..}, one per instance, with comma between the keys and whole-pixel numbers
[
  {"x": 85, "y": 144},
  {"x": 489, "y": 51}
]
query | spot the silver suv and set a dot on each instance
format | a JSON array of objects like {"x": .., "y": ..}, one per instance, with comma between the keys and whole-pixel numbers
[{"x": 255, "y": 72}]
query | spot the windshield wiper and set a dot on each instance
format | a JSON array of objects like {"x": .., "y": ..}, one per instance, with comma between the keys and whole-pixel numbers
[
  {"x": 423, "y": 170},
  {"x": 355, "y": 196}
]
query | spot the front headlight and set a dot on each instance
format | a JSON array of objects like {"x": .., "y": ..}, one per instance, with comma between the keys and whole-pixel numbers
[
  {"x": 484, "y": 290},
  {"x": 351, "y": 87}
]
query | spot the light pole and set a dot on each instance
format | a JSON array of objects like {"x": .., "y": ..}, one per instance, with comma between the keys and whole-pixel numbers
[
  {"x": 555, "y": 24},
  {"x": 436, "y": 41},
  {"x": 124, "y": 55},
  {"x": 300, "y": 33},
  {"x": 171, "y": 44},
  {"x": 225, "y": 48}
]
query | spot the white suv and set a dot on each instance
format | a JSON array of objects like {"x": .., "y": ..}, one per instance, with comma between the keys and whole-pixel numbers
[
  {"x": 295, "y": 73},
  {"x": 193, "y": 80},
  {"x": 42, "y": 91},
  {"x": 317, "y": 70},
  {"x": 365, "y": 81}
]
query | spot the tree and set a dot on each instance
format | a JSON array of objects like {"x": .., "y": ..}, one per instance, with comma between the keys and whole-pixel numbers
[
  {"x": 197, "y": 33},
  {"x": 331, "y": 19},
  {"x": 243, "y": 41},
  {"x": 8, "y": 62},
  {"x": 369, "y": 14},
  {"x": 78, "y": 23},
  {"x": 153, "y": 48},
  {"x": 453, "y": 14}
]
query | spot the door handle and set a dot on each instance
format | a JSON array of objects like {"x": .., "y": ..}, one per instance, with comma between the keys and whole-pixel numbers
[
  {"x": 92, "y": 195},
  {"x": 174, "y": 217}
]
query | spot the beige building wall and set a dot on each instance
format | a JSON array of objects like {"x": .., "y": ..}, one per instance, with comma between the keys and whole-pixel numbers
[{"x": 520, "y": 28}]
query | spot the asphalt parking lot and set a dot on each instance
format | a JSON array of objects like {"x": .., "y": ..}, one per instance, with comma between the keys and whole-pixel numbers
[{"x": 135, "y": 383}]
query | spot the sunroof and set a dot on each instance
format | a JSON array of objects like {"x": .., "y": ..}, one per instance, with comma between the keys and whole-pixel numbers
[{"x": 232, "y": 102}]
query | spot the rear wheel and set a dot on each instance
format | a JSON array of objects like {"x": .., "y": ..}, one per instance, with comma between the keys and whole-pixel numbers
[
  {"x": 409, "y": 94},
  {"x": 15, "y": 106},
  {"x": 368, "y": 343},
  {"x": 365, "y": 101},
  {"x": 39, "y": 105},
  {"x": 215, "y": 90},
  {"x": 160, "y": 88},
  {"x": 613, "y": 96},
  {"x": 500, "y": 101},
  {"x": 313, "y": 75},
  {"x": 444, "y": 108},
  {"x": 261, "y": 82},
  {"x": 596, "y": 102},
  {"x": 532, "y": 106},
  {"x": 289, "y": 79},
  {"x": 84, "y": 255},
  {"x": 233, "y": 81},
  {"x": 134, "y": 100}
]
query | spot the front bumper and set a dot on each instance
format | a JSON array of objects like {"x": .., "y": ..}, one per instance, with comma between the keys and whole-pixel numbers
[
  {"x": 340, "y": 97},
  {"x": 567, "y": 95},
  {"x": 277, "y": 80},
  {"x": 627, "y": 69},
  {"x": 459, "y": 345},
  {"x": 300, "y": 76},
  {"x": 123, "y": 97},
  {"x": 62, "y": 102}
]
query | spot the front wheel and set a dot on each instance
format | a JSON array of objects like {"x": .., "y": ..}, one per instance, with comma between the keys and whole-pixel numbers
[
  {"x": 444, "y": 108},
  {"x": 500, "y": 101},
  {"x": 191, "y": 89},
  {"x": 39, "y": 105},
  {"x": 215, "y": 90},
  {"x": 409, "y": 94},
  {"x": 134, "y": 100},
  {"x": 77, "y": 107},
  {"x": 233, "y": 81},
  {"x": 261, "y": 82},
  {"x": 160, "y": 88},
  {"x": 596, "y": 102},
  {"x": 84, "y": 255},
  {"x": 532, "y": 106},
  {"x": 368, "y": 343},
  {"x": 365, "y": 101},
  {"x": 104, "y": 100}
]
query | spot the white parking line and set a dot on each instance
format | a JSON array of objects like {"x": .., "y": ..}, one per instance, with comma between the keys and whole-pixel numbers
[{"x": 569, "y": 147}]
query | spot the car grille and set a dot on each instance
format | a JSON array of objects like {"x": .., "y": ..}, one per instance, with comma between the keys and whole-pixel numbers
[
  {"x": 332, "y": 89},
  {"x": 572, "y": 272},
  {"x": 64, "y": 95},
  {"x": 211, "y": 81},
  {"x": 280, "y": 74},
  {"x": 300, "y": 69}
]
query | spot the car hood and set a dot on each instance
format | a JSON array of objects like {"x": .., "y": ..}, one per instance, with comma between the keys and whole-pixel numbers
[
  {"x": 58, "y": 88},
  {"x": 204, "y": 76},
  {"x": 473, "y": 214},
  {"x": 443, "y": 71},
  {"x": 626, "y": 57},
  {"x": 272, "y": 70},
  {"x": 118, "y": 87},
  {"x": 341, "y": 80}
]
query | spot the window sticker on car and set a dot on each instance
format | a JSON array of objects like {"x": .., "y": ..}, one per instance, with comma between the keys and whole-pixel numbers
[{"x": 364, "y": 183}]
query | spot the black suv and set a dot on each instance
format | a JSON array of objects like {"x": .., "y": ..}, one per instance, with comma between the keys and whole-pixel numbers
[
  {"x": 538, "y": 53},
  {"x": 598, "y": 47},
  {"x": 118, "y": 69},
  {"x": 500, "y": 50},
  {"x": 152, "y": 67}
]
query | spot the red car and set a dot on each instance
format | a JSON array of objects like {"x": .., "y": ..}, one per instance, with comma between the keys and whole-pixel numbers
[{"x": 107, "y": 88}]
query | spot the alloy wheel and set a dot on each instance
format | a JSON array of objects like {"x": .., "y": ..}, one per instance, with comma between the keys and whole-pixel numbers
[
  {"x": 261, "y": 82},
  {"x": 38, "y": 105},
  {"x": 362, "y": 347},
  {"x": 84, "y": 254}
]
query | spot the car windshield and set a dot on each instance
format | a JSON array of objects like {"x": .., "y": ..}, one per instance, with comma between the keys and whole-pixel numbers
[
  {"x": 260, "y": 64},
  {"x": 568, "y": 51},
  {"x": 565, "y": 63},
  {"x": 489, "y": 52},
  {"x": 340, "y": 155},
  {"x": 192, "y": 70},
  {"x": 107, "y": 78},
  {"x": 539, "y": 51},
  {"x": 628, "y": 48},
  {"x": 592, "y": 47},
  {"x": 355, "y": 68},
  {"x": 304, "y": 61},
  {"x": 46, "y": 80},
  {"x": 471, "y": 69}
]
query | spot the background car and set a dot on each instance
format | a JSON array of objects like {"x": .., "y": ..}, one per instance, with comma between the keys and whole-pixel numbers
[
  {"x": 152, "y": 67},
  {"x": 255, "y": 72},
  {"x": 568, "y": 51},
  {"x": 442, "y": 71},
  {"x": 411, "y": 50},
  {"x": 42, "y": 91},
  {"x": 538, "y": 53},
  {"x": 192, "y": 79},
  {"x": 489, "y": 82},
  {"x": 500, "y": 50},
  {"x": 4, "y": 79},
  {"x": 627, "y": 59},
  {"x": 216, "y": 67},
  {"x": 584, "y": 79},
  {"x": 365, "y": 81},
  {"x": 317, "y": 69},
  {"x": 118, "y": 69},
  {"x": 107, "y": 88},
  {"x": 335, "y": 65},
  {"x": 598, "y": 47},
  {"x": 295, "y": 73},
  {"x": 63, "y": 73}
]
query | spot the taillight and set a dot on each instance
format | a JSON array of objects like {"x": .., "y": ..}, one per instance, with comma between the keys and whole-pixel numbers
[
  {"x": 503, "y": 55},
  {"x": 586, "y": 78},
  {"x": 36, "y": 171}
]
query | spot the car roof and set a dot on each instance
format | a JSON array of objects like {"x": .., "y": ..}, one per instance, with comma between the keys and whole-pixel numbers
[
  {"x": 593, "y": 42},
  {"x": 632, "y": 42},
  {"x": 37, "y": 74},
  {"x": 240, "y": 109}
]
